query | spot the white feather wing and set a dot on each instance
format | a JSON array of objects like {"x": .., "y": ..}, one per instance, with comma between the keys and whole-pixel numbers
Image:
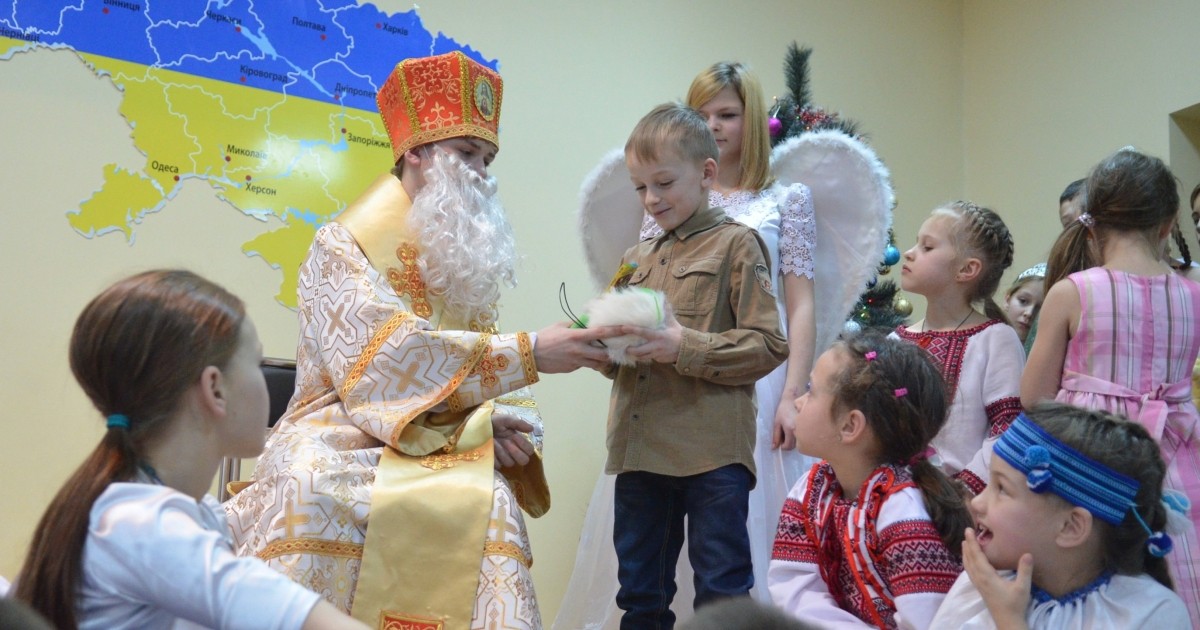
[
  {"x": 852, "y": 200},
  {"x": 610, "y": 217}
]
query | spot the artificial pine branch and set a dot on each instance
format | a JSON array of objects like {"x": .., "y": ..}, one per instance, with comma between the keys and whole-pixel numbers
[
  {"x": 795, "y": 68},
  {"x": 876, "y": 307}
]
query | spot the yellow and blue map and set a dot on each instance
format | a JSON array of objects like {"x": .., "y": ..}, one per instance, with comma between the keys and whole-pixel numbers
[{"x": 270, "y": 103}]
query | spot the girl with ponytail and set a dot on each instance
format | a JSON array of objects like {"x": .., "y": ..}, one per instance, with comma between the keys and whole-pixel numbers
[
  {"x": 132, "y": 540},
  {"x": 1076, "y": 508},
  {"x": 872, "y": 533},
  {"x": 1118, "y": 328}
]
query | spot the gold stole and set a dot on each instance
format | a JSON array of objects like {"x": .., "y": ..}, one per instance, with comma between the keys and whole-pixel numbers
[
  {"x": 429, "y": 514},
  {"x": 424, "y": 547}
]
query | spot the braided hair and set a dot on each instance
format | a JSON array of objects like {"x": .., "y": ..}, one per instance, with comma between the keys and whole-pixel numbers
[
  {"x": 982, "y": 234},
  {"x": 900, "y": 390}
]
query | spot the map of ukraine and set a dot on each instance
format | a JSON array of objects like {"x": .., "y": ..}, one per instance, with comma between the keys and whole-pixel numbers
[{"x": 270, "y": 102}]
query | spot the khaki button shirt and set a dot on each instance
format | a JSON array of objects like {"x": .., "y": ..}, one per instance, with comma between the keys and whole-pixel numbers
[{"x": 698, "y": 414}]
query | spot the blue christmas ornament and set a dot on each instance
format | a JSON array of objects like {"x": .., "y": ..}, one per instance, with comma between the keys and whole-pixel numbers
[{"x": 891, "y": 255}]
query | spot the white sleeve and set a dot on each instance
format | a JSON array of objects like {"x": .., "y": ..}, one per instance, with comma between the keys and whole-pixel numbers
[
  {"x": 1001, "y": 393},
  {"x": 157, "y": 547},
  {"x": 795, "y": 582},
  {"x": 797, "y": 232},
  {"x": 914, "y": 560}
]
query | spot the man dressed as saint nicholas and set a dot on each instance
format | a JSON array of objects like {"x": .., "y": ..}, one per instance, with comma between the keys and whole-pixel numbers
[{"x": 411, "y": 413}]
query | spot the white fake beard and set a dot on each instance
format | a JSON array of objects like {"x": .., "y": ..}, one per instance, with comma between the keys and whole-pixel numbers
[{"x": 467, "y": 245}]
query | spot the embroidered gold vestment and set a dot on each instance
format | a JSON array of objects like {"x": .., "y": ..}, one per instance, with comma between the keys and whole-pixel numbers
[{"x": 390, "y": 426}]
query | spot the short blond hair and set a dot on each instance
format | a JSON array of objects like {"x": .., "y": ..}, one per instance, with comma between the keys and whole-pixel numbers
[{"x": 675, "y": 128}]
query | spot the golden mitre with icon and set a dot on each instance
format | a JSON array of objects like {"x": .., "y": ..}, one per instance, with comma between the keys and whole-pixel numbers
[{"x": 426, "y": 99}]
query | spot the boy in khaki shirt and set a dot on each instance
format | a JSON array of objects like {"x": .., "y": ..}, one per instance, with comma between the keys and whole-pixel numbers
[{"x": 681, "y": 422}]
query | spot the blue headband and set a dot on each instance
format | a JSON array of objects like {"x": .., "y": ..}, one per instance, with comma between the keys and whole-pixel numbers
[{"x": 1051, "y": 466}]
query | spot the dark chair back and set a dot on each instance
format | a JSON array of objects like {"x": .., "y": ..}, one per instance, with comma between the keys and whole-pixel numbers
[{"x": 281, "y": 384}]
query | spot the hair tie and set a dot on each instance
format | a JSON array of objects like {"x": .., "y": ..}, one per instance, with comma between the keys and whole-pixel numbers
[
  {"x": 870, "y": 355},
  {"x": 118, "y": 421},
  {"x": 1087, "y": 220},
  {"x": 928, "y": 452},
  {"x": 1158, "y": 544},
  {"x": 901, "y": 392}
]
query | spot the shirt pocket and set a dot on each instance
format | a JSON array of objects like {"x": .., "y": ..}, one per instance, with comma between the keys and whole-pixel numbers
[
  {"x": 638, "y": 277},
  {"x": 697, "y": 283}
]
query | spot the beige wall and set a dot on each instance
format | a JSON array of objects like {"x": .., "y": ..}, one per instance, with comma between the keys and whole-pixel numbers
[
  {"x": 1050, "y": 88},
  {"x": 958, "y": 99}
]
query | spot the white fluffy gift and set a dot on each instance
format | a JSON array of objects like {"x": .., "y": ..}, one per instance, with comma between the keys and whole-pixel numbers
[{"x": 626, "y": 306}]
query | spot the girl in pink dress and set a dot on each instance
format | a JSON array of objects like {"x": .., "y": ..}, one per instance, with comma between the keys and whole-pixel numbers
[{"x": 1123, "y": 336}]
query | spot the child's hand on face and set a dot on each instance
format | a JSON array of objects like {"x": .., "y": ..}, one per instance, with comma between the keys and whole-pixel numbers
[
  {"x": 662, "y": 344},
  {"x": 1005, "y": 599}
]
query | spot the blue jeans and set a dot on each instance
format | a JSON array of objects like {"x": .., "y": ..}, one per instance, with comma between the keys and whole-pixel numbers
[{"x": 648, "y": 535}]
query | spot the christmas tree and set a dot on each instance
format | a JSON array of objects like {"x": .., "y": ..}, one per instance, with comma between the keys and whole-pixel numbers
[{"x": 881, "y": 305}]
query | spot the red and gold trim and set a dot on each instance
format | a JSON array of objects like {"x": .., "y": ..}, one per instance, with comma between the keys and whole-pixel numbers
[
  {"x": 525, "y": 347},
  {"x": 289, "y": 546},
  {"x": 428, "y": 99}
]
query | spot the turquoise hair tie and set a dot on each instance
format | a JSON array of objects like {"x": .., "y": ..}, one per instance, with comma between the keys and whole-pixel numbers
[{"x": 118, "y": 421}]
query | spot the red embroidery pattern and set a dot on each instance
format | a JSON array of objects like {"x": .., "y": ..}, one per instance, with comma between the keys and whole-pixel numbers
[
  {"x": 948, "y": 347},
  {"x": 397, "y": 621},
  {"x": 971, "y": 480},
  {"x": 409, "y": 281},
  {"x": 487, "y": 367},
  {"x": 864, "y": 569},
  {"x": 1001, "y": 413},
  {"x": 915, "y": 560}
]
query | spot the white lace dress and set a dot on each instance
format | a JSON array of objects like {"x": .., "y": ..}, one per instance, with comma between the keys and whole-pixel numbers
[{"x": 783, "y": 217}]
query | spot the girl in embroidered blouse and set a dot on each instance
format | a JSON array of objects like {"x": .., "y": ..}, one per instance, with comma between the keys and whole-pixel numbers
[
  {"x": 869, "y": 536},
  {"x": 1075, "y": 508},
  {"x": 132, "y": 540},
  {"x": 961, "y": 252},
  {"x": 1118, "y": 328}
]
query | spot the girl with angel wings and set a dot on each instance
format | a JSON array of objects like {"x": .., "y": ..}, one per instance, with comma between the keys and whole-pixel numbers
[{"x": 822, "y": 203}]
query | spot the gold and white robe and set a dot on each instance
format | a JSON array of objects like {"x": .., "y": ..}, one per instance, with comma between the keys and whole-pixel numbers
[{"x": 390, "y": 424}]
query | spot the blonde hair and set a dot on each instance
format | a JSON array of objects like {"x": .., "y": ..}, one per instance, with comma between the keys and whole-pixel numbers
[
  {"x": 981, "y": 233},
  {"x": 672, "y": 127},
  {"x": 755, "y": 161}
]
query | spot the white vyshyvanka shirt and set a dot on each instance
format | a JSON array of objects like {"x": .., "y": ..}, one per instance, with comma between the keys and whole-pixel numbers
[
  {"x": 1117, "y": 602},
  {"x": 867, "y": 559},
  {"x": 157, "y": 558},
  {"x": 982, "y": 365}
]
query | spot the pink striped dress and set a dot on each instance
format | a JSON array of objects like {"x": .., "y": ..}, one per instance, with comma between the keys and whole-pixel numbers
[{"x": 1133, "y": 354}]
